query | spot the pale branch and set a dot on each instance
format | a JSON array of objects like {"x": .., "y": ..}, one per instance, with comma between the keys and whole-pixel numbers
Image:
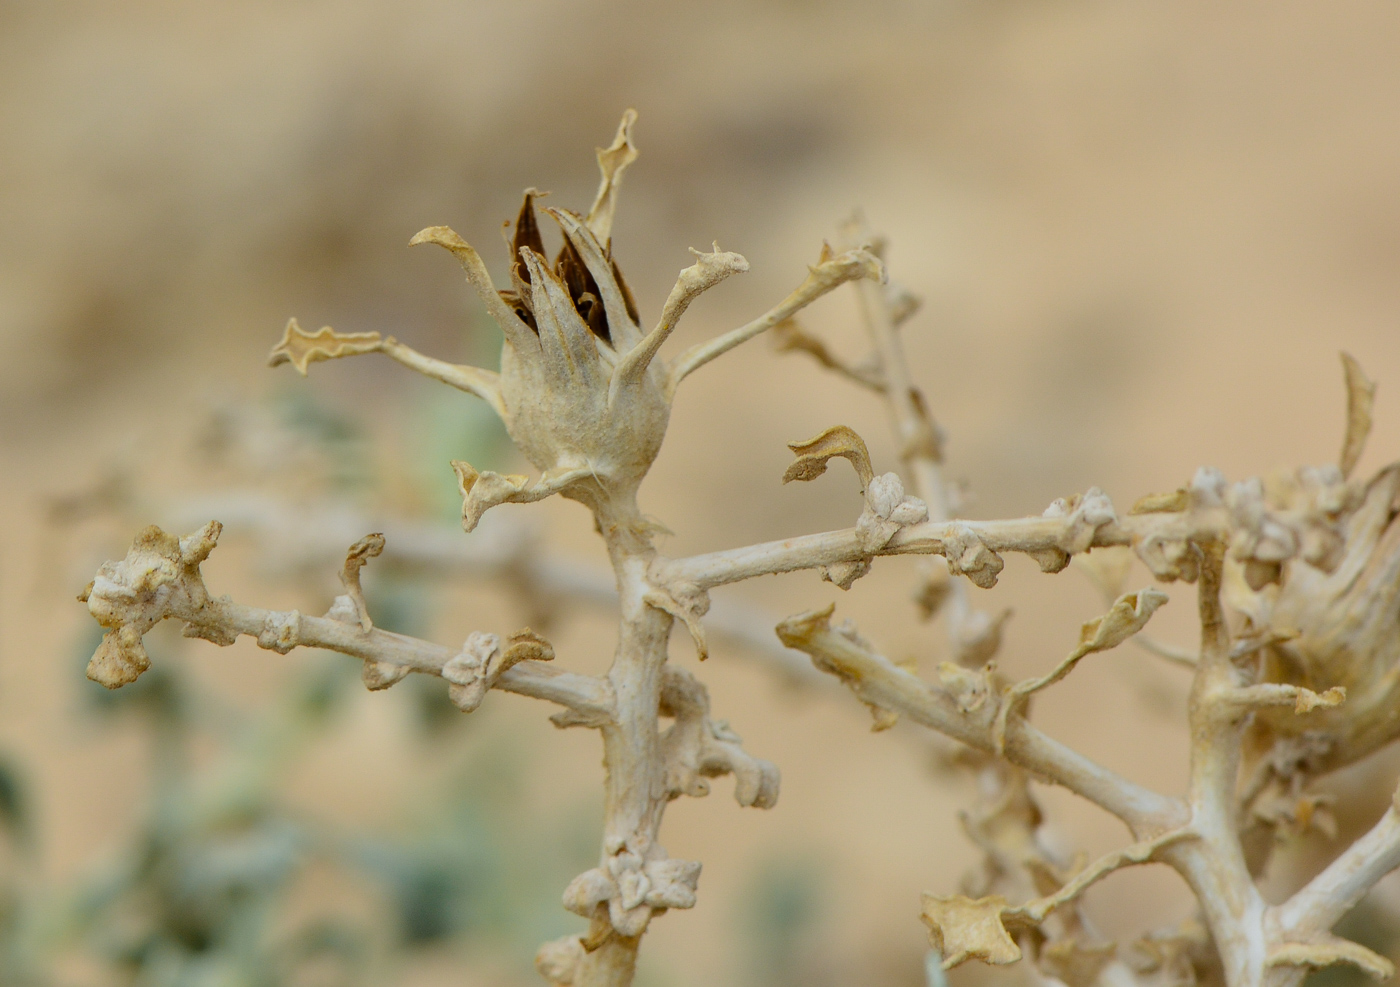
[
  {"x": 829, "y": 272},
  {"x": 1318, "y": 905},
  {"x": 1215, "y": 867},
  {"x": 1163, "y": 530},
  {"x": 1302, "y": 700},
  {"x": 1032, "y": 536},
  {"x": 1217, "y": 718},
  {"x": 1183, "y": 657},
  {"x": 789, "y": 337},
  {"x": 973, "y": 635},
  {"x": 1072, "y": 952},
  {"x": 920, "y": 445},
  {"x": 301, "y": 349},
  {"x": 707, "y": 271},
  {"x": 589, "y": 404},
  {"x": 503, "y": 550},
  {"x": 637, "y": 880},
  {"x": 963, "y": 928},
  {"x": 963, "y": 705},
  {"x": 160, "y": 579},
  {"x": 483, "y": 383},
  {"x": 1128, "y": 615},
  {"x": 1142, "y": 852}
]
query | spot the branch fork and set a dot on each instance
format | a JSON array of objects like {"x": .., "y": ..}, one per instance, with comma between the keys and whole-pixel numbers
[
  {"x": 586, "y": 396},
  {"x": 159, "y": 578}
]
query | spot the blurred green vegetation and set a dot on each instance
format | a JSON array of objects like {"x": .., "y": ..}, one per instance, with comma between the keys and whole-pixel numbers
[
  {"x": 201, "y": 894},
  {"x": 780, "y": 915}
]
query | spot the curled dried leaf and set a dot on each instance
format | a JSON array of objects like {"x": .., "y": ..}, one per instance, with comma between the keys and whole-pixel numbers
[
  {"x": 696, "y": 747},
  {"x": 1128, "y": 615},
  {"x": 589, "y": 890},
  {"x": 526, "y": 645},
  {"x": 368, "y": 547},
  {"x": 963, "y": 928},
  {"x": 813, "y": 455},
  {"x": 644, "y": 889},
  {"x": 119, "y": 660},
  {"x": 1328, "y": 951},
  {"x": 887, "y": 510},
  {"x": 479, "y": 665},
  {"x": 470, "y": 673},
  {"x": 1307, "y": 700},
  {"x": 1083, "y": 515},
  {"x": 1361, "y": 395},
  {"x": 281, "y": 631},
  {"x": 687, "y": 604},
  {"x": 482, "y": 491},
  {"x": 377, "y": 675}
]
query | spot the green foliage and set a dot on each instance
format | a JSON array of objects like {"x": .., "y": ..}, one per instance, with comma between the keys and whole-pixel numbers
[
  {"x": 196, "y": 898},
  {"x": 780, "y": 914},
  {"x": 477, "y": 865}
]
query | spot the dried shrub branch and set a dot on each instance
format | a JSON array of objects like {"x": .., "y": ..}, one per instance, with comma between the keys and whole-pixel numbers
[
  {"x": 1296, "y": 588},
  {"x": 1303, "y": 630}
]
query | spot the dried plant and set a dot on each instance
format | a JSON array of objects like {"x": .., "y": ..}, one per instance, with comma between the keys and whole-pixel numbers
[{"x": 1293, "y": 677}]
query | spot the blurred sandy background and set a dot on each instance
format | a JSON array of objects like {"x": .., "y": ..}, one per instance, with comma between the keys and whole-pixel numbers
[{"x": 1142, "y": 233}]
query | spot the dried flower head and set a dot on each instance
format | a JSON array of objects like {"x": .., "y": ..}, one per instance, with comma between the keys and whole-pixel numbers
[{"x": 581, "y": 389}]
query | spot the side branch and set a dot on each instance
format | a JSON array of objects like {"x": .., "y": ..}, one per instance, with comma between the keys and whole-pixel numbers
[
  {"x": 1144, "y": 852},
  {"x": 485, "y": 384},
  {"x": 963, "y": 928},
  {"x": 1330, "y": 895},
  {"x": 160, "y": 579},
  {"x": 1035, "y": 536},
  {"x": 1128, "y": 615},
  {"x": 301, "y": 349},
  {"x": 830, "y": 272},
  {"x": 963, "y": 706}
]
